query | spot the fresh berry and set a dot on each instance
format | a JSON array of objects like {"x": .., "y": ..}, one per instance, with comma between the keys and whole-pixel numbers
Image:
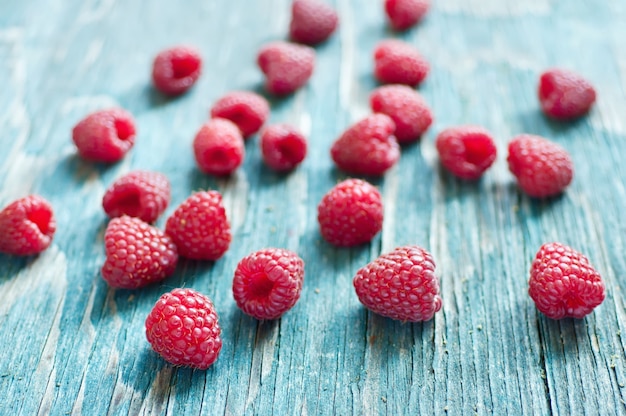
[
  {"x": 105, "y": 136},
  {"x": 542, "y": 168},
  {"x": 367, "y": 147},
  {"x": 246, "y": 109},
  {"x": 312, "y": 21},
  {"x": 403, "y": 14},
  {"x": 183, "y": 328},
  {"x": 351, "y": 213},
  {"x": 137, "y": 254},
  {"x": 564, "y": 94},
  {"x": 466, "y": 151},
  {"x": 397, "y": 62},
  {"x": 283, "y": 147},
  {"x": 218, "y": 147},
  {"x": 563, "y": 283},
  {"x": 400, "y": 285},
  {"x": 27, "y": 226},
  {"x": 199, "y": 227},
  {"x": 268, "y": 282},
  {"x": 176, "y": 69},
  {"x": 140, "y": 194},
  {"x": 407, "y": 109},
  {"x": 287, "y": 66}
]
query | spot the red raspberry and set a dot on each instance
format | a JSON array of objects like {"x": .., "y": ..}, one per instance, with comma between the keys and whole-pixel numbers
[
  {"x": 407, "y": 109},
  {"x": 218, "y": 147},
  {"x": 403, "y": 14},
  {"x": 400, "y": 285},
  {"x": 351, "y": 213},
  {"x": 176, "y": 69},
  {"x": 286, "y": 66},
  {"x": 564, "y": 94},
  {"x": 312, "y": 21},
  {"x": 466, "y": 151},
  {"x": 397, "y": 62},
  {"x": 183, "y": 328},
  {"x": 27, "y": 226},
  {"x": 105, "y": 136},
  {"x": 367, "y": 147},
  {"x": 563, "y": 283},
  {"x": 246, "y": 109},
  {"x": 268, "y": 282},
  {"x": 542, "y": 168},
  {"x": 283, "y": 147},
  {"x": 199, "y": 227},
  {"x": 137, "y": 254},
  {"x": 140, "y": 194}
]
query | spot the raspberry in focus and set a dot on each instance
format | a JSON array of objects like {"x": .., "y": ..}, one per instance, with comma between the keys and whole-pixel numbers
[
  {"x": 287, "y": 66},
  {"x": 397, "y": 62},
  {"x": 283, "y": 147},
  {"x": 105, "y": 135},
  {"x": 466, "y": 151},
  {"x": 27, "y": 226},
  {"x": 564, "y": 94},
  {"x": 140, "y": 194},
  {"x": 218, "y": 147},
  {"x": 246, "y": 109},
  {"x": 312, "y": 21},
  {"x": 176, "y": 69},
  {"x": 403, "y": 14}
]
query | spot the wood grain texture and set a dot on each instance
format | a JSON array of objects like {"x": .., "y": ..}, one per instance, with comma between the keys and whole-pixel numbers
[{"x": 71, "y": 345}]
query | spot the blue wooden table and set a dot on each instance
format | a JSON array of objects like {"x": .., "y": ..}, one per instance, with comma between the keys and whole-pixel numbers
[{"x": 71, "y": 345}]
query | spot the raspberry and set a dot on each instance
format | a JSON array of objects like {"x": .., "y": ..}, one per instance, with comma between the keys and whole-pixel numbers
[
  {"x": 403, "y": 14},
  {"x": 140, "y": 194},
  {"x": 564, "y": 94},
  {"x": 176, "y": 69},
  {"x": 351, "y": 213},
  {"x": 137, "y": 254},
  {"x": 283, "y": 147},
  {"x": 27, "y": 226},
  {"x": 407, "y": 109},
  {"x": 199, "y": 227},
  {"x": 105, "y": 136},
  {"x": 268, "y": 282},
  {"x": 367, "y": 147},
  {"x": 246, "y": 109},
  {"x": 286, "y": 66},
  {"x": 397, "y": 62},
  {"x": 183, "y": 328},
  {"x": 542, "y": 168},
  {"x": 563, "y": 283},
  {"x": 218, "y": 147},
  {"x": 312, "y": 21},
  {"x": 466, "y": 151}
]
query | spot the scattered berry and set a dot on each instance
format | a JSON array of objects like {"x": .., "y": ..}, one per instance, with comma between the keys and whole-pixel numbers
[
  {"x": 27, "y": 226},
  {"x": 403, "y": 14},
  {"x": 140, "y": 194},
  {"x": 218, "y": 147},
  {"x": 176, "y": 69},
  {"x": 312, "y": 21},
  {"x": 105, "y": 136},
  {"x": 283, "y": 147},
  {"x": 183, "y": 328},
  {"x": 564, "y": 94},
  {"x": 542, "y": 168},
  {"x": 268, "y": 282},
  {"x": 286, "y": 66},
  {"x": 563, "y": 283},
  {"x": 466, "y": 151},
  {"x": 351, "y": 213},
  {"x": 246, "y": 109},
  {"x": 397, "y": 62},
  {"x": 199, "y": 227}
]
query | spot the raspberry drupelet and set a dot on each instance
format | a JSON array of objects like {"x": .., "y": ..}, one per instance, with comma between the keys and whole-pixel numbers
[
  {"x": 27, "y": 226},
  {"x": 105, "y": 135},
  {"x": 140, "y": 194},
  {"x": 176, "y": 69}
]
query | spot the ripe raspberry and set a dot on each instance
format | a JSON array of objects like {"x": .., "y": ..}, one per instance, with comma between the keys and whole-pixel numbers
[
  {"x": 176, "y": 69},
  {"x": 563, "y": 283},
  {"x": 407, "y": 109},
  {"x": 183, "y": 328},
  {"x": 542, "y": 168},
  {"x": 137, "y": 254},
  {"x": 283, "y": 147},
  {"x": 246, "y": 109},
  {"x": 400, "y": 285},
  {"x": 367, "y": 147},
  {"x": 286, "y": 66},
  {"x": 351, "y": 213},
  {"x": 199, "y": 227},
  {"x": 403, "y": 14},
  {"x": 466, "y": 151},
  {"x": 312, "y": 21},
  {"x": 397, "y": 62},
  {"x": 218, "y": 147},
  {"x": 27, "y": 226},
  {"x": 105, "y": 136},
  {"x": 268, "y": 282},
  {"x": 564, "y": 94},
  {"x": 140, "y": 194}
]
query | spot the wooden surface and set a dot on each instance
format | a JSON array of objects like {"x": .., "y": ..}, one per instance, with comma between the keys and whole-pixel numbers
[{"x": 71, "y": 345}]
